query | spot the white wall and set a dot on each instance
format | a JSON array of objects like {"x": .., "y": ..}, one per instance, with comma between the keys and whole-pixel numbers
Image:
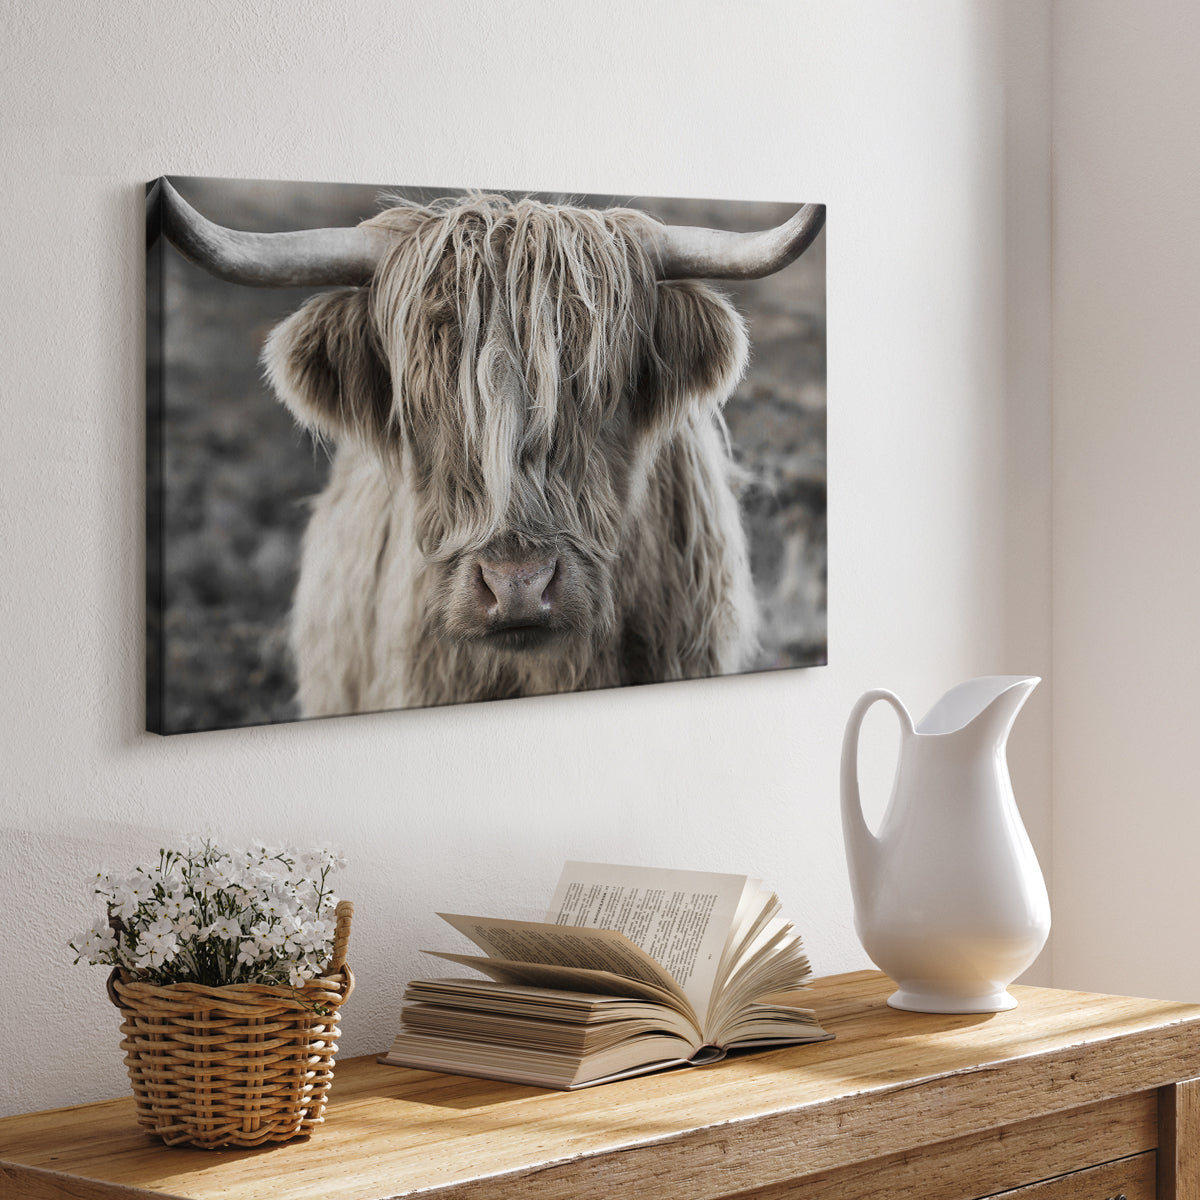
[
  {"x": 1127, "y": 495},
  {"x": 922, "y": 125}
]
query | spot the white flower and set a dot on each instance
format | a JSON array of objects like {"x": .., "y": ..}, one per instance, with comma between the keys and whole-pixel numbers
[
  {"x": 257, "y": 878},
  {"x": 249, "y": 952},
  {"x": 102, "y": 882},
  {"x": 185, "y": 925},
  {"x": 102, "y": 931},
  {"x": 176, "y": 902},
  {"x": 159, "y": 939},
  {"x": 220, "y": 875},
  {"x": 270, "y": 937},
  {"x": 97, "y": 944},
  {"x": 315, "y": 937},
  {"x": 153, "y": 952},
  {"x": 324, "y": 858},
  {"x": 224, "y": 928},
  {"x": 171, "y": 874},
  {"x": 278, "y": 904},
  {"x": 129, "y": 893}
]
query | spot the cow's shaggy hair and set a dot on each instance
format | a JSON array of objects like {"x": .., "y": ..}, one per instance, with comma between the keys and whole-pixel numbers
[{"x": 515, "y": 383}]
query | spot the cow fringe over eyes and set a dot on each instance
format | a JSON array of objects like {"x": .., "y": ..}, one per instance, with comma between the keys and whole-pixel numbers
[{"x": 513, "y": 331}]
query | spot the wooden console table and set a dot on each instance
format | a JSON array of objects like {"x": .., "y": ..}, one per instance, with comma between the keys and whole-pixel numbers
[{"x": 1071, "y": 1096}]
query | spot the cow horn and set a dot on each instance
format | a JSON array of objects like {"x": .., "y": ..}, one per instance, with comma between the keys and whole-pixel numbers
[
  {"x": 685, "y": 252},
  {"x": 302, "y": 258}
]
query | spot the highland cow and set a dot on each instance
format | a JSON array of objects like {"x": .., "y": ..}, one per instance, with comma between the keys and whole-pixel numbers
[{"x": 532, "y": 489}]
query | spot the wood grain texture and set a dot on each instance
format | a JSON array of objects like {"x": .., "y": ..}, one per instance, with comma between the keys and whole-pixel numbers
[
  {"x": 32, "y": 1183},
  {"x": 995, "y": 1160},
  {"x": 1179, "y": 1141},
  {"x": 891, "y": 1083}
]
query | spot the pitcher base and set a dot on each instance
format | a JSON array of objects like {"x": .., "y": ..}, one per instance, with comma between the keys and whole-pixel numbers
[{"x": 933, "y": 1002}]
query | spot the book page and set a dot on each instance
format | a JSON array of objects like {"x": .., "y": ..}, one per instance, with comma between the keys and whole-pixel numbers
[
  {"x": 681, "y": 919},
  {"x": 564, "y": 978},
  {"x": 554, "y": 946}
]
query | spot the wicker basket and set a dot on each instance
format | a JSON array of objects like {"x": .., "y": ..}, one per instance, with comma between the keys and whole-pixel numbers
[{"x": 240, "y": 1065}]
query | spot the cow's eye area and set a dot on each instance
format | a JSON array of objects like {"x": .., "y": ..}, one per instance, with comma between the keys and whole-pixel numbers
[{"x": 439, "y": 317}]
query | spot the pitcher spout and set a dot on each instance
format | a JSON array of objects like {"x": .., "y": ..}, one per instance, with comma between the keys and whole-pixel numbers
[{"x": 986, "y": 707}]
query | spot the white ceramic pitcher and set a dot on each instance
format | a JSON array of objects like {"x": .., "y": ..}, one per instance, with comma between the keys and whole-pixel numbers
[{"x": 949, "y": 899}]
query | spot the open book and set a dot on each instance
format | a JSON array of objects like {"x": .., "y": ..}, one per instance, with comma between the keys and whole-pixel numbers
[{"x": 634, "y": 970}]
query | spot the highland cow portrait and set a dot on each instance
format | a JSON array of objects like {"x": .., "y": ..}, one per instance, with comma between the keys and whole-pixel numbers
[{"x": 412, "y": 449}]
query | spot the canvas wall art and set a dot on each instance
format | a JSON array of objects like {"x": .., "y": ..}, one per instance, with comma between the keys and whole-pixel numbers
[{"x": 412, "y": 447}]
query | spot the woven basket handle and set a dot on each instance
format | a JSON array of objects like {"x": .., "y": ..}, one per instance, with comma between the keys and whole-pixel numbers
[{"x": 341, "y": 934}]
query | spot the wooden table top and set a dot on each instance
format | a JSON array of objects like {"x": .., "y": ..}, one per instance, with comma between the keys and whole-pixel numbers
[{"x": 890, "y": 1080}]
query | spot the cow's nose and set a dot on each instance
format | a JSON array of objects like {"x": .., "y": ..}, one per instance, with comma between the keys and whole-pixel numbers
[{"x": 518, "y": 593}]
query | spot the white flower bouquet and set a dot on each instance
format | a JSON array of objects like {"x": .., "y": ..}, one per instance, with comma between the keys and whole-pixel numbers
[
  {"x": 229, "y": 969},
  {"x": 210, "y": 916}
]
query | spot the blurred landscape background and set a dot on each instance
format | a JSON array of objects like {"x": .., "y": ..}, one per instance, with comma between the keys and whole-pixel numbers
[{"x": 230, "y": 474}]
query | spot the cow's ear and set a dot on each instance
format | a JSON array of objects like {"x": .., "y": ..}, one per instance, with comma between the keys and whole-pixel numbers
[
  {"x": 698, "y": 355},
  {"x": 326, "y": 364}
]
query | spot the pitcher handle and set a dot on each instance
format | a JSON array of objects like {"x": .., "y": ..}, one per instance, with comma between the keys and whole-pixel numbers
[{"x": 858, "y": 835}]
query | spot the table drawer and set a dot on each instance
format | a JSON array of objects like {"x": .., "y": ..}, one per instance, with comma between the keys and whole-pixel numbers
[
  {"x": 1126, "y": 1179},
  {"x": 1010, "y": 1160}
]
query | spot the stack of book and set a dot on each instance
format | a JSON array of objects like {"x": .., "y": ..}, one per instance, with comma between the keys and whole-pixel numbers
[{"x": 634, "y": 970}]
